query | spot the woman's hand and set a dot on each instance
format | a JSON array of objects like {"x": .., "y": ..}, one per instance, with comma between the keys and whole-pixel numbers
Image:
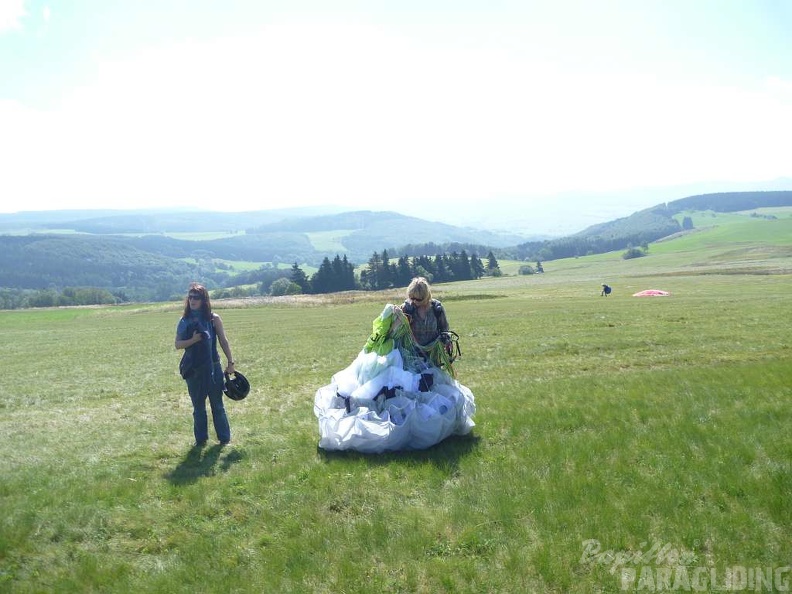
[{"x": 230, "y": 368}]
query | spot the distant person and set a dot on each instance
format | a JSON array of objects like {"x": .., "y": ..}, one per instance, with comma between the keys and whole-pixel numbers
[
  {"x": 606, "y": 290},
  {"x": 200, "y": 329}
]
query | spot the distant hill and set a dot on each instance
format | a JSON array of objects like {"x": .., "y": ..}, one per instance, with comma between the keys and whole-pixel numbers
[
  {"x": 731, "y": 201},
  {"x": 129, "y": 252},
  {"x": 369, "y": 231},
  {"x": 58, "y": 261},
  {"x": 111, "y": 222},
  {"x": 560, "y": 214},
  {"x": 646, "y": 225},
  {"x": 362, "y": 232},
  {"x": 149, "y": 265}
]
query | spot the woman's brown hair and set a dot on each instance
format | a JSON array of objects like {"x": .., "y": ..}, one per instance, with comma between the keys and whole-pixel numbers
[{"x": 206, "y": 304}]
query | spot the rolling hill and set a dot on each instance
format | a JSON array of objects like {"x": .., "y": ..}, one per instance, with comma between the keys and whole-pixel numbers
[
  {"x": 647, "y": 225},
  {"x": 115, "y": 252}
]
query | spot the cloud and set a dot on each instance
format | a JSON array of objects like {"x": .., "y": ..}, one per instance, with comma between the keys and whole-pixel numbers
[
  {"x": 356, "y": 115},
  {"x": 780, "y": 89},
  {"x": 11, "y": 14}
]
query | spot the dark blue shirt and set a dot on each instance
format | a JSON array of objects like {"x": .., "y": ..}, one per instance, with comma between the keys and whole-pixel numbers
[{"x": 201, "y": 350}]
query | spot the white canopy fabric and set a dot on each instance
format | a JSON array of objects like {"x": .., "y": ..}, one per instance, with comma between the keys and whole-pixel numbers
[{"x": 380, "y": 403}]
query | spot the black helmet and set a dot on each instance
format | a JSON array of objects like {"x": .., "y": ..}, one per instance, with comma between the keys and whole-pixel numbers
[{"x": 236, "y": 388}]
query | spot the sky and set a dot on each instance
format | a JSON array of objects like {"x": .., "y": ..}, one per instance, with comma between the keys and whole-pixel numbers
[{"x": 415, "y": 106}]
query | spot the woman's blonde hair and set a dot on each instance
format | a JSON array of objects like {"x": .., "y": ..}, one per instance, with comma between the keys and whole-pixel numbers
[{"x": 419, "y": 291}]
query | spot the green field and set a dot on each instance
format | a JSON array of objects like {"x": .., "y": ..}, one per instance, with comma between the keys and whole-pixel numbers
[
  {"x": 329, "y": 241},
  {"x": 607, "y": 428}
]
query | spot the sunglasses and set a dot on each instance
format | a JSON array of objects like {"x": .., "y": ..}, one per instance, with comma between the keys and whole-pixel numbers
[{"x": 195, "y": 297}]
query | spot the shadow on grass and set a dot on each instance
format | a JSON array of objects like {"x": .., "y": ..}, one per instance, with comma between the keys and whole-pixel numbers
[
  {"x": 200, "y": 462},
  {"x": 444, "y": 455}
]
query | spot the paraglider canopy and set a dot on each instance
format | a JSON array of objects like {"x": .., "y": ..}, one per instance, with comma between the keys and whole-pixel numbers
[{"x": 652, "y": 293}]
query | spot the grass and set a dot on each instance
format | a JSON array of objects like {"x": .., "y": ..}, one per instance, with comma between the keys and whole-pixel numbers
[{"x": 626, "y": 421}]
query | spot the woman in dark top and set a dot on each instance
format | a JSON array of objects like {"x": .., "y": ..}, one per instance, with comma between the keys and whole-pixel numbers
[{"x": 200, "y": 329}]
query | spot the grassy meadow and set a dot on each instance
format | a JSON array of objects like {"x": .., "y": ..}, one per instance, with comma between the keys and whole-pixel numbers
[{"x": 607, "y": 428}]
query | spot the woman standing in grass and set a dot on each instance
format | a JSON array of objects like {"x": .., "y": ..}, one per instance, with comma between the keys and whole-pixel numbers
[{"x": 199, "y": 329}]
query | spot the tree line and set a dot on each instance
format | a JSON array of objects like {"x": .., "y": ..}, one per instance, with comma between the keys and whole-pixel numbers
[
  {"x": 383, "y": 272},
  {"x": 69, "y": 296},
  {"x": 339, "y": 274}
]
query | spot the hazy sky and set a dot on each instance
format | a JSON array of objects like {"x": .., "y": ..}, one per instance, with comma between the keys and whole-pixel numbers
[{"x": 237, "y": 104}]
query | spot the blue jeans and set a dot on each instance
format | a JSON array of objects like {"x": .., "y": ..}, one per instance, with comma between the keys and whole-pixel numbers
[{"x": 207, "y": 381}]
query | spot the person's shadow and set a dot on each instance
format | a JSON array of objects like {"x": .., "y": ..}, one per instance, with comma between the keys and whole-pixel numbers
[{"x": 200, "y": 462}]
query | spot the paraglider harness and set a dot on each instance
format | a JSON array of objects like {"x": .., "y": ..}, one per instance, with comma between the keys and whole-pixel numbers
[
  {"x": 449, "y": 351},
  {"x": 450, "y": 340}
]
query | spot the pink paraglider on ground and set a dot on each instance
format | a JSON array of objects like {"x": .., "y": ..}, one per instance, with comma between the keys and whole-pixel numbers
[{"x": 652, "y": 293}]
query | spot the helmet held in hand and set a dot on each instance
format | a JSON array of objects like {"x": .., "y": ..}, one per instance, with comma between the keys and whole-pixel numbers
[{"x": 236, "y": 386}]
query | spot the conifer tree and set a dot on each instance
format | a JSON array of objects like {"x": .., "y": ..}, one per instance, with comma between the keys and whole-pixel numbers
[
  {"x": 300, "y": 279},
  {"x": 476, "y": 266}
]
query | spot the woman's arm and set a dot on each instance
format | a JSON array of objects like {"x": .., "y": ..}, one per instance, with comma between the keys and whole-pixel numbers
[
  {"x": 223, "y": 340},
  {"x": 188, "y": 342}
]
